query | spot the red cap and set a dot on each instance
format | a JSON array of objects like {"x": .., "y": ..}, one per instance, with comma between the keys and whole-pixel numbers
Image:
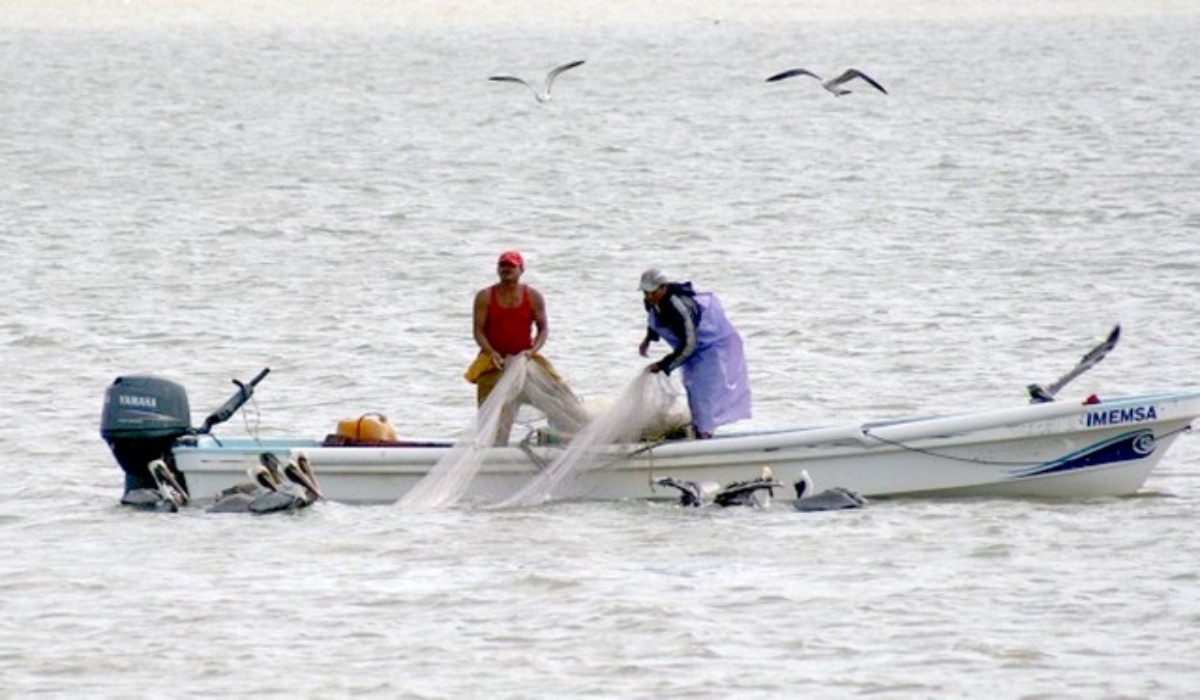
[{"x": 512, "y": 257}]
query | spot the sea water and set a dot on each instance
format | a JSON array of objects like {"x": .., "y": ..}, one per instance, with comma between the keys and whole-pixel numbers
[{"x": 199, "y": 191}]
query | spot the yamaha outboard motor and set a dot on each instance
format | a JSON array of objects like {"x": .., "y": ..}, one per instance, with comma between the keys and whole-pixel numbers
[{"x": 142, "y": 418}]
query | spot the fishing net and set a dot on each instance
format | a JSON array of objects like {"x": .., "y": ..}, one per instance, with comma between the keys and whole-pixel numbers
[
  {"x": 645, "y": 409},
  {"x": 448, "y": 480}
]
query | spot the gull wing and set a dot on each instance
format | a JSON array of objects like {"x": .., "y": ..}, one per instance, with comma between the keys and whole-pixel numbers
[
  {"x": 510, "y": 79},
  {"x": 851, "y": 74},
  {"x": 791, "y": 74},
  {"x": 557, "y": 71}
]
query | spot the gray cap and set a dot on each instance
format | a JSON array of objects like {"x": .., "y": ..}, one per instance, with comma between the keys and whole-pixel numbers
[{"x": 652, "y": 279}]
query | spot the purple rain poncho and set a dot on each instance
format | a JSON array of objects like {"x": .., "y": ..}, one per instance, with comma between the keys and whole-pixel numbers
[{"x": 714, "y": 374}]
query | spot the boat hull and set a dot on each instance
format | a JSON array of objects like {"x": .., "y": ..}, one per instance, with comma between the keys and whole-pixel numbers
[{"x": 1060, "y": 449}]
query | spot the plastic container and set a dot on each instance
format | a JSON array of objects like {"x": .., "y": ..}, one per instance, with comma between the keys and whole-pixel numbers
[{"x": 369, "y": 427}]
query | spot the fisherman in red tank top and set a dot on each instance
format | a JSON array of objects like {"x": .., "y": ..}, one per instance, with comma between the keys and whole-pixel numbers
[
  {"x": 506, "y": 328},
  {"x": 510, "y": 318}
]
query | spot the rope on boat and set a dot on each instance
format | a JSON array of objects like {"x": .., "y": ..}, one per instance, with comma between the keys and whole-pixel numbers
[
  {"x": 972, "y": 460},
  {"x": 629, "y": 455},
  {"x": 526, "y": 447},
  {"x": 253, "y": 431}
]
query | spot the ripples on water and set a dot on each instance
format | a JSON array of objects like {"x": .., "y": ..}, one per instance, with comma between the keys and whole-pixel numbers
[{"x": 200, "y": 196}]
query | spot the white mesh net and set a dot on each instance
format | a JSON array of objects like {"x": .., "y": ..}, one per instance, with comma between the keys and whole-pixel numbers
[
  {"x": 645, "y": 405},
  {"x": 643, "y": 411},
  {"x": 448, "y": 480}
]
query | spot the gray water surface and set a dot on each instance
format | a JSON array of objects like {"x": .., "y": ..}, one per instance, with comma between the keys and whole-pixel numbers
[{"x": 201, "y": 191}]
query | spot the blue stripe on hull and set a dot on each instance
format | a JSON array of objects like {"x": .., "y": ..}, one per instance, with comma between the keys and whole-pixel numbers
[{"x": 1137, "y": 444}]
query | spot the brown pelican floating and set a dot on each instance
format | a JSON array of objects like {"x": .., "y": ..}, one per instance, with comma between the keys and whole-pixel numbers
[
  {"x": 301, "y": 473},
  {"x": 755, "y": 492},
  {"x": 167, "y": 496},
  {"x": 834, "y": 85},
  {"x": 691, "y": 494},
  {"x": 270, "y": 474},
  {"x": 168, "y": 485},
  {"x": 237, "y": 498},
  {"x": 271, "y": 487},
  {"x": 836, "y": 498},
  {"x": 543, "y": 94},
  {"x": 300, "y": 489}
]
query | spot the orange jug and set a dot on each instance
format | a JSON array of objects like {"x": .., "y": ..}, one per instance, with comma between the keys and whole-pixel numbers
[{"x": 368, "y": 428}]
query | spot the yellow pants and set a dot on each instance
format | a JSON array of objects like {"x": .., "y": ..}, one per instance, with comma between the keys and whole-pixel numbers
[{"x": 484, "y": 375}]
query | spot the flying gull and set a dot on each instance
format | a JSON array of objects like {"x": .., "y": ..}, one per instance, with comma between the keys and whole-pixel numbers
[
  {"x": 834, "y": 85},
  {"x": 543, "y": 94}
]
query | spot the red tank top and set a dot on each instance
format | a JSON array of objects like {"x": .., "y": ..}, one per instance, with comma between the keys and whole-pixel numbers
[{"x": 508, "y": 329}]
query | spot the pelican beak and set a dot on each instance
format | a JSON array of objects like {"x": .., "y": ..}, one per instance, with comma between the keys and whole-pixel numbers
[
  {"x": 297, "y": 475},
  {"x": 307, "y": 467},
  {"x": 163, "y": 477},
  {"x": 264, "y": 478},
  {"x": 271, "y": 462}
]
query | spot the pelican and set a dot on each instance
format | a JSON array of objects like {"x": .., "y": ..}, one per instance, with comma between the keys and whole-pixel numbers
[
  {"x": 301, "y": 473},
  {"x": 755, "y": 492},
  {"x": 299, "y": 491},
  {"x": 541, "y": 95},
  {"x": 268, "y": 473},
  {"x": 270, "y": 488},
  {"x": 836, "y": 498},
  {"x": 237, "y": 498},
  {"x": 167, "y": 483},
  {"x": 168, "y": 495},
  {"x": 691, "y": 494},
  {"x": 834, "y": 85}
]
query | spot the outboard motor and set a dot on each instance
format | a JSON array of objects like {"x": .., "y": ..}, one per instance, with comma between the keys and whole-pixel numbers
[
  {"x": 144, "y": 415},
  {"x": 142, "y": 418}
]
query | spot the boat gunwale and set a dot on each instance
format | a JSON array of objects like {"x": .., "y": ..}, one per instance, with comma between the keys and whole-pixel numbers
[{"x": 967, "y": 427}]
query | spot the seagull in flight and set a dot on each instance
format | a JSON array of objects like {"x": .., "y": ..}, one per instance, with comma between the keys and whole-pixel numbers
[
  {"x": 543, "y": 94},
  {"x": 834, "y": 85}
]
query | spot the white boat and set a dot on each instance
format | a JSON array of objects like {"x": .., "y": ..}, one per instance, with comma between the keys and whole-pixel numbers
[{"x": 1055, "y": 448}]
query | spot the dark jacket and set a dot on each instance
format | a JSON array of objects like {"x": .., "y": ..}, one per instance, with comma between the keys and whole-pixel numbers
[{"x": 679, "y": 313}]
